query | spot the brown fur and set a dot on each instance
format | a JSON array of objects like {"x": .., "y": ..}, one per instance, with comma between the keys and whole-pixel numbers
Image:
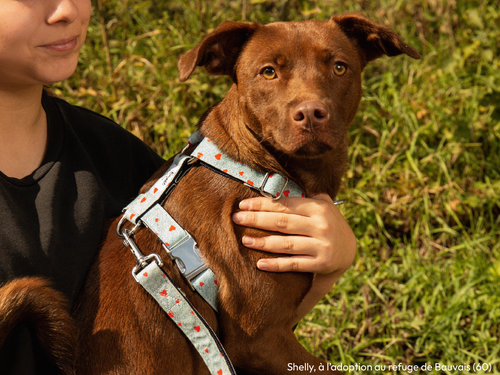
[
  {"x": 295, "y": 125},
  {"x": 33, "y": 300}
]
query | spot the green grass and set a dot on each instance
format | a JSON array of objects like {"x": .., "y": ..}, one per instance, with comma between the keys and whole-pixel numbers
[{"x": 423, "y": 186}]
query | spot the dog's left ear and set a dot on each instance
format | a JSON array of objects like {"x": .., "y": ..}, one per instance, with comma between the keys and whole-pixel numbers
[
  {"x": 372, "y": 40},
  {"x": 219, "y": 51}
]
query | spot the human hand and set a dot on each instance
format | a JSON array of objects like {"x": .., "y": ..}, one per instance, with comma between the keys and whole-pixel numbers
[{"x": 318, "y": 239}]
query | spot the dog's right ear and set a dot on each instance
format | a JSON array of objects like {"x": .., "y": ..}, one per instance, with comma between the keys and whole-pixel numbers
[{"x": 219, "y": 51}]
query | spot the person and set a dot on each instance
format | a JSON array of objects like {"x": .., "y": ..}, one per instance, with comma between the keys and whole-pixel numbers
[{"x": 65, "y": 171}]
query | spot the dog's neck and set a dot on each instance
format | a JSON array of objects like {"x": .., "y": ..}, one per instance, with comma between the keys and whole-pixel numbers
[{"x": 224, "y": 124}]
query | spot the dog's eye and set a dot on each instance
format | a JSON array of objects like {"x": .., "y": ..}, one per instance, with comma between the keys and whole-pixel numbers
[
  {"x": 269, "y": 73},
  {"x": 339, "y": 69}
]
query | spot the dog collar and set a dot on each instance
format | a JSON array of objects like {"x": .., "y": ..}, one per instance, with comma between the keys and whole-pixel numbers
[{"x": 273, "y": 185}]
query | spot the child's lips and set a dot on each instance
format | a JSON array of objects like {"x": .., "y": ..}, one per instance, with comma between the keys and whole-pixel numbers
[{"x": 63, "y": 45}]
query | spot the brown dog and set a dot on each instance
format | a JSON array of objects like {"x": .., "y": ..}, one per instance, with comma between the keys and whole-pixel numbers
[{"x": 296, "y": 90}]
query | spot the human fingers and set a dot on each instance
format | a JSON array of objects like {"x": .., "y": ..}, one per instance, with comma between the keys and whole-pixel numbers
[
  {"x": 300, "y": 254},
  {"x": 288, "y": 245},
  {"x": 287, "y": 215},
  {"x": 292, "y": 205},
  {"x": 288, "y": 264},
  {"x": 274, "y": 221}
]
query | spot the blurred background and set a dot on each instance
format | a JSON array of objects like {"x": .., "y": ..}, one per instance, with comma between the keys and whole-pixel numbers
[{"x": 423, "y": 186}]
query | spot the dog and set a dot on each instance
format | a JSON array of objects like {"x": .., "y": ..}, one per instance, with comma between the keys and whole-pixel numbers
[{"x": 296, "y": 89}]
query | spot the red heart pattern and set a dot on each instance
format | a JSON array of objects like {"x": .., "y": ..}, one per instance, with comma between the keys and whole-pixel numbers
[
  {"x": 143, "y": 200},
  {"x": 171, "y": 228},
  {"x": 163, "y": 293},
  {"x": 197, "y": 328},
  {"x": 218, "y": 156}
]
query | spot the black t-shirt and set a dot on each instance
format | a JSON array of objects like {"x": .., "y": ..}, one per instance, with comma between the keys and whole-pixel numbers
[{"x": 52, "y": 220}]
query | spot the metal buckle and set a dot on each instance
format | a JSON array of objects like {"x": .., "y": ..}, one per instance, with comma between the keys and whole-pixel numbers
[
  {"x": 187, "y": 258},
  {"x": 269, "y": 195},
  {"x": 142, "y": 260}
]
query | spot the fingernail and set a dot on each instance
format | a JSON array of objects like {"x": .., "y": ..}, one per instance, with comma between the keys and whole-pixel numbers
[
  {"x": 262, "y": 265},
  {"x": 238, "y": 217},
  {"x": 244, "y": 205},
  {"x": 247, "y": 241}
]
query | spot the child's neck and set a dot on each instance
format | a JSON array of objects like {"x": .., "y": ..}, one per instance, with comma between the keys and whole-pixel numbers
[{"x": 23, "y": 131}]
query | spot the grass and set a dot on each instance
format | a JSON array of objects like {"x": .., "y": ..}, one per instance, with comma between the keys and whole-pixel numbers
[{"x": 423, "y": 187}]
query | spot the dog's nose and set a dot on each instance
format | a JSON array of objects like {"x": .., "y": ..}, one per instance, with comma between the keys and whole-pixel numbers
[{"x": 311, "y": 114}]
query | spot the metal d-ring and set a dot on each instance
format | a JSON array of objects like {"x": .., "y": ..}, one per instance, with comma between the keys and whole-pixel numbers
[
  {"x": 269, "y": 195},
  {"x": 119, "y": 231}
]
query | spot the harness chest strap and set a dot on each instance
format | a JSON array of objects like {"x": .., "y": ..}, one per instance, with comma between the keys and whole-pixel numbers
[
  {"x": 176, "y": 241},
  {"x": 182, "y": 248},
  {"x": 159, "y": 285}
]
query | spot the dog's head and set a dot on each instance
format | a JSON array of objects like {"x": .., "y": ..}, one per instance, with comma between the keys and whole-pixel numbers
[{"x": 299, "y": 83}]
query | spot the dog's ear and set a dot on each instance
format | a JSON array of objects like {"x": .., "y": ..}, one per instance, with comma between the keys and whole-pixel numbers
[
  {"x": 219, "y": 51},
  {"x": 372, "y": 40}
]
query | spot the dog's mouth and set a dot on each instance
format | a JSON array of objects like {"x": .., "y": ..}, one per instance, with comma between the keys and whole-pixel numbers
[
  {"x": 310, "y": 144},
  {"x": 307, "y": 145},
  {"x": 313, "y": 149}
]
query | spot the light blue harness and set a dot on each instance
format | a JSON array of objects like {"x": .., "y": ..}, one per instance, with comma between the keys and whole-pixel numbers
[{"x": 182, "y": 248}]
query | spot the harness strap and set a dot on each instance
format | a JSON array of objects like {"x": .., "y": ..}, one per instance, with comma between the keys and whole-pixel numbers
[
  {"x": 177, "y": 242},
  {"x": 183, "y": 250},
  {"x": 273, "y": 185},
  {"x": 145, "y": 201},
  {"x": 172, "y": 301}
]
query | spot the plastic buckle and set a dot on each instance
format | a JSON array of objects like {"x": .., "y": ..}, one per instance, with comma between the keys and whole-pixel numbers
[{"x": 188, "y": 259}]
